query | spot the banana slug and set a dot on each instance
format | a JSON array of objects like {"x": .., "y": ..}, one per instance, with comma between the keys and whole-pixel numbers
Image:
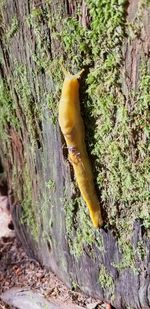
[{"x": 72, "y": 127}]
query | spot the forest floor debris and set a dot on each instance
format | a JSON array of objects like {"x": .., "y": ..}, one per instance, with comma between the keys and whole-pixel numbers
[{"x": 17, "y": 270}]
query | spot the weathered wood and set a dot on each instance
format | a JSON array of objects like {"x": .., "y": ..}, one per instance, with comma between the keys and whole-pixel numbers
[
  {"x": 26, "y": 299},
  {"x": 34, "y": 156}
]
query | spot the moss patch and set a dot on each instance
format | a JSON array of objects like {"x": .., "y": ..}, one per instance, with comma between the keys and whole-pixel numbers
[
  {"x": 106, "y": 281},
  {"x": 28, "y": 210},
  {"x": 117, "y": 135},
  {"x": 12, "y": 29},
  {"x": 80, "y": 231},
  {"x": 9, "y": 117}
]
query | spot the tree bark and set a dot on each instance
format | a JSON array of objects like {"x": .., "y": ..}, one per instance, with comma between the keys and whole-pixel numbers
[{"x": 50, "y": 219}]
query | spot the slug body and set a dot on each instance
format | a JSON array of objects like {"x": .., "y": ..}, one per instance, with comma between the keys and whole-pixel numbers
[{"x": 72, "y": 127}]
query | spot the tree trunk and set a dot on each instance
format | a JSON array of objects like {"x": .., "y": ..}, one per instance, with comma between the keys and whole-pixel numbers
[{"x": 110, "y": 39}]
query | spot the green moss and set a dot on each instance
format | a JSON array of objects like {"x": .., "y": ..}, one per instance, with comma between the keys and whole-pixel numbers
[
  {"x": 74, "y": 285},
  {"x": 51, "y": 184},
  {"x": 2, "y": 2},
  {"x": 116, "y": 136},
  {"x": 43, "y": 59},
  {"x": 53, "y": 97},
  {"x": 28, "y": 211},
  {"x": 30, "y": 116},
  {"x": 141, "y": 251},
  {"x": 6, "y": 105},
  {"x": 136, "y": 26},
  {"x": 7, "y": 117},
  {"x": 106, "y": 280},
  {"x": 44, "y": 207},
  {"x": 30, "y": 108},
  {"x": 76, "y": 47},
  {"x": 2, "y": 6},
  {"x": 80, "y": 231},
  {"x": 35, "y": 20},
  {"x": 38, "y": 214},
  {"x": 128, "y": 257},
  {"x": 52, "y": 107},
  {"x": 12, "y": 29}
]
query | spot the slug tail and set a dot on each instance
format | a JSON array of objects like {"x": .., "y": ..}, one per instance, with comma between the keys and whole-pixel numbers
[{"x": 96, "y": 218}]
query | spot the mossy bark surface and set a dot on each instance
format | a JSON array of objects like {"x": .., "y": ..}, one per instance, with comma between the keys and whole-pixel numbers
[{"x": 110, "y": 39}]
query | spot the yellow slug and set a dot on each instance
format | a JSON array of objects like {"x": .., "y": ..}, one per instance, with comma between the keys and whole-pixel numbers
[{"x": 72, "y": 127}]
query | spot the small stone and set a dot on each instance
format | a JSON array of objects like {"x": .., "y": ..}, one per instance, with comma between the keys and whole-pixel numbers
[{"x": 93, "y": 305}]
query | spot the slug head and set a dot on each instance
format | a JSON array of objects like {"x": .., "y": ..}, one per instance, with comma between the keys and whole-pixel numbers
[
  {"x": 70, "y": 76},
  {"x": 71, "y": 83}
]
